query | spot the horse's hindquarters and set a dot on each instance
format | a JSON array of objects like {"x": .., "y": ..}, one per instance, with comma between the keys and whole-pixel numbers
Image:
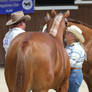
[{"x": 33, "y": 63}]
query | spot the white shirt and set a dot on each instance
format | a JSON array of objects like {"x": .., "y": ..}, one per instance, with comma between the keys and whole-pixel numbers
[
  {"x": 76, "y": 54},
  {"x": 9, "y": 36}
]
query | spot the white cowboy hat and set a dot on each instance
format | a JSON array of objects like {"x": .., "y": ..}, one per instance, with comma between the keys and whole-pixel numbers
[
  {"x": 77, "y": 32},
  {"x": 16, "y": 17}
]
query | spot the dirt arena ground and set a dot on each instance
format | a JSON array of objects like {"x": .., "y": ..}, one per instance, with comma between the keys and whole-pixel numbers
[{"x": 3, "y": 86}]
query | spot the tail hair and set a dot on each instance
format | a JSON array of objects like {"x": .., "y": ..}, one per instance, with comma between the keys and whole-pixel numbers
[{"x": 20, "y": 71}]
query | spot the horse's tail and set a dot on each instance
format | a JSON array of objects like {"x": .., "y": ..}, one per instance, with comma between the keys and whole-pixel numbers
[{"x": 22, "y": 78}]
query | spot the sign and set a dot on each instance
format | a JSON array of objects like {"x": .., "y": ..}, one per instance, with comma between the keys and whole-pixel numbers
[{"x": 9, "y": 6}]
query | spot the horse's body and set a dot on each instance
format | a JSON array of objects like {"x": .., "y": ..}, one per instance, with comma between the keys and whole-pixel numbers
[
  {"x": 87, "y": 66},
  {"x": 37, "y": 61}
]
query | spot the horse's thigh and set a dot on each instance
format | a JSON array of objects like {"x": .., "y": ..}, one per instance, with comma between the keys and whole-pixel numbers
[
  {"x": 10, "y": 90},
  {"x": 42, "y": 90},
  {"x": 64, "y": 86}
]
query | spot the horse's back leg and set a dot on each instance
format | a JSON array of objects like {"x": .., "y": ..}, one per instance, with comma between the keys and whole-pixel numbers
[
  {"x": 42, "y": 90},
  {"x": 10, "y": 90},
  {"x": 64, "y": 87}
]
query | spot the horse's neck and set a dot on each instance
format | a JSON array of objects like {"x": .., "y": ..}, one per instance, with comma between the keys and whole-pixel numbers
[
  {"x": 61, "y": 30},
  {"x": 87, "y": 32},
  {"x": 57, "y": 28}
]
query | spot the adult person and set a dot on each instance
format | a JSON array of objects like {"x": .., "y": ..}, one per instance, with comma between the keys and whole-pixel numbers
[
  {"x": 17, "y": 25},
  {"x": 74, "y": 40}
]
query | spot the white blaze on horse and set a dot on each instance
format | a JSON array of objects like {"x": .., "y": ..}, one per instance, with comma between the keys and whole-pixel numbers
[{"x": 38, "y": 61}]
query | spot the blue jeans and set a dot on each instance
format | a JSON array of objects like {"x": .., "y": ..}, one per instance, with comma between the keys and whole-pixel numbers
[{"x": 75, "y": 80}]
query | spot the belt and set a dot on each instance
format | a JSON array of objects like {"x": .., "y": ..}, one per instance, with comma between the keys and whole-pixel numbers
[{"x": 75, "y": 68}]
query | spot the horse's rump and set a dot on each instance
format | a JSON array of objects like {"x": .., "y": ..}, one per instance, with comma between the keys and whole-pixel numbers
[{"x": 35, "y": 60}]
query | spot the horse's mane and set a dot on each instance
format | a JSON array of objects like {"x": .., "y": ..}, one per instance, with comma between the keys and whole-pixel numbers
[{"x": 79, "y": 22}]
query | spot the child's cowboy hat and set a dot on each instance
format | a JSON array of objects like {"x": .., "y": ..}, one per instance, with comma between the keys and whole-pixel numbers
[
  {"x": 16, "y": 17},
  {"x": 77, "y": 32}
]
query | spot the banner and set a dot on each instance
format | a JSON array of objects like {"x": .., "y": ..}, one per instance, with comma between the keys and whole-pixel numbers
[{"x": 9, "y": 6}]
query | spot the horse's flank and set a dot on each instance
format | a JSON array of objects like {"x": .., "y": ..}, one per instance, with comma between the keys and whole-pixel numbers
[{"x": 32, "y": 54}]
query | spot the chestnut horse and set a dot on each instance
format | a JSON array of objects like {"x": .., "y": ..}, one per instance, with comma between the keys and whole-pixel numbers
[
  {"x": 38, "y": 61},
  {"x": 87, "y": 32},
  {"x": 87, "y": 66}
]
